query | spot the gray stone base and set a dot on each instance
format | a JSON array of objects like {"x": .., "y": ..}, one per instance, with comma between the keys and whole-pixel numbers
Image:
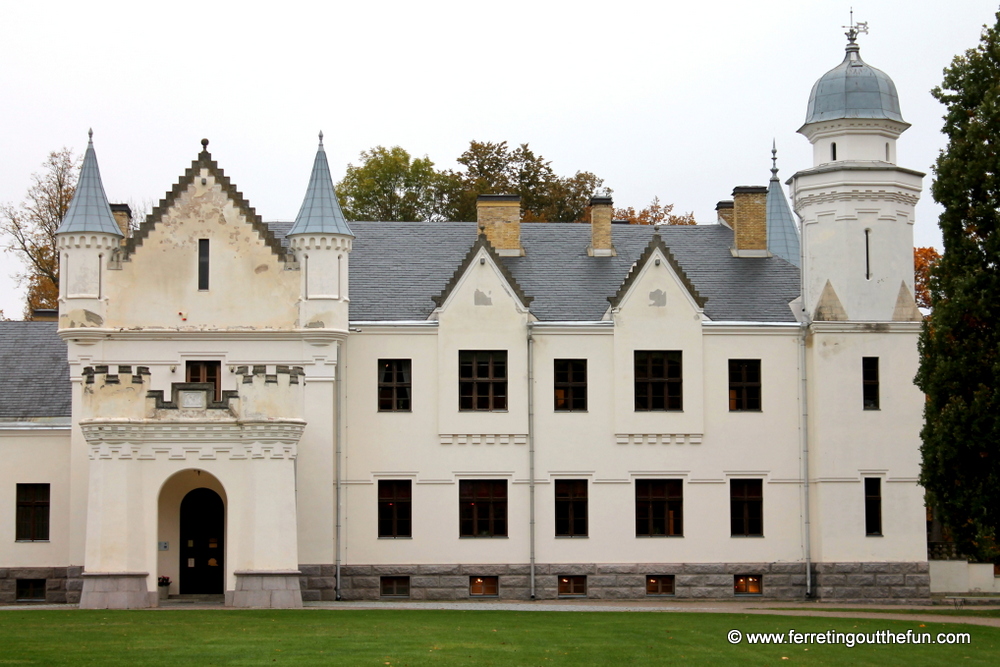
[
  {"x": 884, "y": 582},
  {"x": 115, "y": 590},
  {"x": 267, "y": 589},
  {"x": 62, "y": 584}
]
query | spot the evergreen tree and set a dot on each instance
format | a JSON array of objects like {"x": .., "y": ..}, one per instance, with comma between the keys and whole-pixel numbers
[{"x": 960, "y": 343}]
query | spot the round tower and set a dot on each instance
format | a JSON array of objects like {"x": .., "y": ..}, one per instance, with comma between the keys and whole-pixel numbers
[
  {"x": 855, "y": 203},
  {"x": 86, "y": 240},
  {"x": 321, "y": 241}
]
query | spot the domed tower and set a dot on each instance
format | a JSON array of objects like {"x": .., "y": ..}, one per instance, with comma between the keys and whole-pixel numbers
[
  {"x": 86, "y": 240},
  {"x": 321, "y": 241},
  {"x": 856, "y": 205}
]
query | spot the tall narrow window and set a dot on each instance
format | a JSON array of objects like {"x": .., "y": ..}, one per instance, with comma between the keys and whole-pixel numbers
[
  {"x": 394, "y": 385},
  {"x": 873, "y": 506},
  {"x": 100, "y": 276},
  {"x": 571, "y": 508},
  {"x": 32, "y": 513},
  {"x": 868, "y": 256},
  {"x": 833, "y": 151},
  {"x": 887, "y": 151},
  {"x": 202, "y": 264},
  {"x": 746, "y": 507},
  {"x": 206, "y": 371},
  {"x": 869, "y": 382},
  {"x": 658, "y": 381},
  {"x": 570, "y": 385},
  {"x": 483, "y": 507},
  {"x": 482, "y": 380},
  {"x": 659, "y": 508},
  {"x": 395, "y": 498},
  {"x": 744, "y": 385}
]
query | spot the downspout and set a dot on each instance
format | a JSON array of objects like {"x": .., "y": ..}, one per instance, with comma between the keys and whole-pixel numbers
[
  {"x": 531, "y": 458},
  {"x": 338, "y": 402},
  {"x": 804, "y": 435}
]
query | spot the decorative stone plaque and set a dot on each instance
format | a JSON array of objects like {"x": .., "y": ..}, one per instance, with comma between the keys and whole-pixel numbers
[{"x": 193, "y": 399}]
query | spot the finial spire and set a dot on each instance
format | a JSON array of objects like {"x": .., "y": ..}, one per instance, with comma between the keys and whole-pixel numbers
[
  {"x": 321, "y": 137},
  {"x": 320, "y": 212},
  {"x": 774, "y": 160},
  {"x": 90, "y": 135},
  {"x": 854, "y": 29}
]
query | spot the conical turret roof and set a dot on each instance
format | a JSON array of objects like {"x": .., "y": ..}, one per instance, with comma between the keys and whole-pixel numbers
[
  {"x": 782, "y": 233},
  {"x": 320, "y": 212},
  {"x": 89, "y": 211}
]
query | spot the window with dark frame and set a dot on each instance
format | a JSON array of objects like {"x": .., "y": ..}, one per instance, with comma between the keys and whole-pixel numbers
[
  {"x": 873, "y": 506},
  {"x": 572, "y": 586},
  {"x": 570, "y": 385},
  {"x": 482, "y": 507},
  {"x": 30, "y": 590},
  {"x": 482, "y": 380},
  {"x": 32, "y": 513},
  {"x": 658, "y": 381},
  {"x": 746, "y": 507},
  {"x": 395, "y": 497},
  {"x": 202, "y": 264},
  {"x": 394, "y": 587},
  {"x": 659, "y": 584},
  {"x": 206, "y": 371},
  {"x": 394, "y": 385},
  {"x": 869, "y": 380},
  {"x": 571, "y": 507},
  {"x": 484, "y": 587},
  {"x": 659, "y": 508},
  {"x": 748, "y": 584},
  {"x": 744, "y": 385}
]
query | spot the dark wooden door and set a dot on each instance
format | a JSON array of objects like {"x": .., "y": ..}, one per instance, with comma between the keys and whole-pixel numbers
[{"x": 203, "y": 530}]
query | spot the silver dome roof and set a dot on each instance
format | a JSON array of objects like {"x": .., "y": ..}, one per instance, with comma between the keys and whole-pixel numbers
[{"x": 853, "y": 89}]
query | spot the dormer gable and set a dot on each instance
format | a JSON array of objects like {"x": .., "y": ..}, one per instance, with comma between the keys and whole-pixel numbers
[
  {"x": 657, "y": 254},
  {"x": 482, "y": 253}
]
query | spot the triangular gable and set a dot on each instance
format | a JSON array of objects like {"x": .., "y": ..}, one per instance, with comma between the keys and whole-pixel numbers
[
  {"x": 656, "y": 243},
  {"x": 205, "y": 161},
  {"x": 906, "y": 308},
  {"x": 482, "y": 243},
  {"x": 829, "y": 308}
]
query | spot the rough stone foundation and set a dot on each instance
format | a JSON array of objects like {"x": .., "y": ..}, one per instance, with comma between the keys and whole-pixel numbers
[{"x": 62, "y": 584}]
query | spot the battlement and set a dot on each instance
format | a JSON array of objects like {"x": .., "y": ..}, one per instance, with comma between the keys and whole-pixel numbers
[
  {"x": 259, "y": 373},
  {"x": 91, "y": 374}
]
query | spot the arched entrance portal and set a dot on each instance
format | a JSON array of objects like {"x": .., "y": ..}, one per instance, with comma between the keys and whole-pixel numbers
[{"x": 202, "y": 543}]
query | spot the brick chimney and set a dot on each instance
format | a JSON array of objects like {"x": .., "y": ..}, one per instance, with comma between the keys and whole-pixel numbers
[
  {"x": 123, "y": 214},
  {"x": 500, "y": 215},
  {"x": 750, "y": 221},
  {"x": 601, "y": 212},
  {"x": 724, "y": 211}
]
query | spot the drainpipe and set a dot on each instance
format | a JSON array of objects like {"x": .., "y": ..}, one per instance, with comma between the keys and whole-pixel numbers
[
  {"x": 804, "y": 435},
  {"x": 338, "y": 401},
  {"x": 531, "y": 457}
]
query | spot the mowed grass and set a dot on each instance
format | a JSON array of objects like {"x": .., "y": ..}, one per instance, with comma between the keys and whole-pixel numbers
[
  {"x": 936, "y": 611},
  {"x": 407, "y": 637}
]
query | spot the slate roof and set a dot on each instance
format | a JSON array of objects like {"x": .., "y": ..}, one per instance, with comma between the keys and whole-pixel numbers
[
  {"x": 397, "y": 267},
  {"x": 36, "y": 373}
]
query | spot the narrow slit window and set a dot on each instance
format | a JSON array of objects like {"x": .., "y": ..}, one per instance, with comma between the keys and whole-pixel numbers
[
  {"x": 100, "y": 276},
  {"x": 873, "y": 506},
  {"x": 833, "y": 151},
  {"x": 202, "y": 264},
  {"x": 868, "y": 257},
  {"x": 869, "y": 383},
  {"x": 887, "y": 151}
]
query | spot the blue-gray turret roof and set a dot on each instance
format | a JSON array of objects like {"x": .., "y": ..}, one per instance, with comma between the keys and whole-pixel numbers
[
  {"x": 320, "y": 212},
  {"x": 782, "y": 233},
  {"x": 89, "y": 210},
  {"x": 853, "y": 89}
]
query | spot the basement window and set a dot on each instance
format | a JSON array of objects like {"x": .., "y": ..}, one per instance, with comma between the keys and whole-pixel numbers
[
  {"x": 394, "y": 587},
  {"x": 659, "y": 584},
  {"x": 30, "y": 590},
  {"x": 748, "y": 584}
]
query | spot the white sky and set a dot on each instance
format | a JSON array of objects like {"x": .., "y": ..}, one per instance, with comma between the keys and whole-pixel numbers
[{"x": 668, "y": 99}]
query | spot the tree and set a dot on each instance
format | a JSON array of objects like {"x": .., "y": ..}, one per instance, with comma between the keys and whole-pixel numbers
[
  {"x": 31, "y": 228},
  {"x": 924, "y": 259},
  {"x": 390, "y": 185},
  {"x": 654, "y": 214},
  {"x": 960, "y": 342}
]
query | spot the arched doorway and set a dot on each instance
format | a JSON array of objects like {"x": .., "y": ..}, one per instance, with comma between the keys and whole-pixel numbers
[{"x": 202, "y": 543}]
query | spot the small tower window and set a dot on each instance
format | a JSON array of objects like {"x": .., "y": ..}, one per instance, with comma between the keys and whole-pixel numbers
[
  {"x": 868, "y": 260},
  {"x": 887, "y": 152},
  {"x": 202, "y": 264},
  {"x": 833, "y": 151}
]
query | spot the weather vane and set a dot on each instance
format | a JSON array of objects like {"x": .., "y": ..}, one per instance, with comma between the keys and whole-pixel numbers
[{"x": 855, "y": 29}]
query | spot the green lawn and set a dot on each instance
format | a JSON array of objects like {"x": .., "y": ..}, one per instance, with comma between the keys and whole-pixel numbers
[
  {"x": 938, "y": 611},
  {"x": 404, "y": 637}
]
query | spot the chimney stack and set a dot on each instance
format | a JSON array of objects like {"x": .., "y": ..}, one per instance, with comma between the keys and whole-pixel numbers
[
  {"x": 123, "y": 215},
  {"x": 750, "y": 221},
  {"x": 500, "y": 216},
  {"x": 724, "y": 211},
  {"x": 601, "y": 213}
]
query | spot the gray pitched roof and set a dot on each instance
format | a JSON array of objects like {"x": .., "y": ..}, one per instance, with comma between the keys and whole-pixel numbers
[
  {"x": 36, "y": 373},
  {"x": 89, "y": 210},
  {"x": 320, "y": 212},
  {"x": 397, "y": 267}
]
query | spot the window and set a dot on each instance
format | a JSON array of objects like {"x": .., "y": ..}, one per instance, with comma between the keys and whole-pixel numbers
[
  {"x": 30, "y": 590},
  {"x": 482, "y": 381},
  {"x": 394, "y": 506},
  {"x": 202, "y": 264},
  {"x": 744, "y": 385},
  {"x": 657, "y": 381},
  {"x": 206, "y": 371},
  {"x": 873, "y": 506},
  {"x": 746, "y": 507},
  {"x": 394, "y": 385},
  {"x": 659, "y": 508},
  {"x": 572, "y": 586},
  {"x": 869, "y": 382},
  {"x": 571, "y": 508},
  {"x": 748, "y": 584},
  {"x": 868, "y": 256},
  {"x": 660, "y": 584},
  {"x": 483, "y": 587},
  {"x": 394, "y": 587},
  {"x": 570, "y": 385},
  {"x": 833, "y": 151},
  {"x": 32, "y": 513},
  {"x": 483, "y": 504}
]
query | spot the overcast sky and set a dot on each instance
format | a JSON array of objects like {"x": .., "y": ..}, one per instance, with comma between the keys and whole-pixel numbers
[{"x": 668, "y": 99}]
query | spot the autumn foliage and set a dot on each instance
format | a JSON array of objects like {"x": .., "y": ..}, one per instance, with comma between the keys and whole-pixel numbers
[
  {"x": 924, "y": 260},
  {"x": 654, "y": 214}
]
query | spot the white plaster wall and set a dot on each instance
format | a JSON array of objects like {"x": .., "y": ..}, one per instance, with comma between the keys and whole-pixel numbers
[{"x": 959, "y": 576}]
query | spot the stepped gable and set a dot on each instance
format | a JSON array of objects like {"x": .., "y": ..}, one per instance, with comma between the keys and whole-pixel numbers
[{"x": 35, "y": 371}]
